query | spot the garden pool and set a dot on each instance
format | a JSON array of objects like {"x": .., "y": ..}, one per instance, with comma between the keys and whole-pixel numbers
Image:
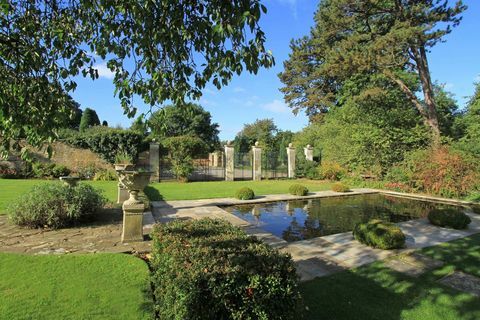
[{"x": 304, "y": 219}]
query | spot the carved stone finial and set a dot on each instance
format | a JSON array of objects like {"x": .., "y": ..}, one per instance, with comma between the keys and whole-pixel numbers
[
  {"x": 290, "y": 145},
  {"x": 256, "y": 144}
]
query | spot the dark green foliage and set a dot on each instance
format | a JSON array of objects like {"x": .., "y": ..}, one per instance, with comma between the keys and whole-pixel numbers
[
  {"x": 158, "y": 52},
  {"x": 54, "y": 205},
  {"x": 305, "y": 168},
  {"x": 209, "y": 269},
  {"x": 476, "y": 209},
  {"x": 107, "y": 142},
  {"x": 181, "y": 152},
  {"x": 340, "y": 187},
  {"x": 469, "y": 143},
  {"x": 262, "y": 131},
  {"x": 187, "y": 119},
  {"x": 49, "y": 170},
  {"x": 104, "y": 123},
  {"x": 244, "y": 194},
  {"x": 379, "y": 234},
  {"x": 298, "y": 190},
  {"x": 450, "y": 218},
  {"x": 89, "y": 119}
]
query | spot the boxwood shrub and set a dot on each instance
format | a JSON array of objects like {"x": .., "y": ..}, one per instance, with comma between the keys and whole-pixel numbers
[
  {"x": 245, "y": 194},
  {"x": 340, "y": 187},
  {"x": 54, "y": 205},
  {"x": 209, "y": 269},
  {"x": 298, "y": 190},
  {"x": 379, "y": 234},
  {"x": 449, "y": 217}
]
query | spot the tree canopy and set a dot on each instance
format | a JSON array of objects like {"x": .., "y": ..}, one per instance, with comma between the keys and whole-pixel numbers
[
  {"x": 89, "y": 119},
  {"x": 159, "y": 50},
  {"x": 262, "y": 130},
  {"x": 383, "y": 37},
  {"x": 188, "y": 119}
]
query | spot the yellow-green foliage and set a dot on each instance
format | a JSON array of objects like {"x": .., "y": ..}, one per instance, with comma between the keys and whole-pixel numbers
[
  {"x": 298, "y": 190},
  {"x": 379, "y": 234},
  {"x": 340, "y": 187},
  {"x": 244, "y": 194}
]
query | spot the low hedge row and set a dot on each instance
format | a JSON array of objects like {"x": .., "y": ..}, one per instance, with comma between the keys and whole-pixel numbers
[
  {"x": 209, "y": 269},
  {"x": 379, "y": 234},
  {"x": 449, "y": 217},
  {"x": 298, "y": 190}
]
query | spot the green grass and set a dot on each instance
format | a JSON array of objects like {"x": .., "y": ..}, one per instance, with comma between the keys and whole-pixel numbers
[
  {"x": 376, "y": 292},
  {"x": 91, "y": 286},
  {"x": 225, "y": 189}
]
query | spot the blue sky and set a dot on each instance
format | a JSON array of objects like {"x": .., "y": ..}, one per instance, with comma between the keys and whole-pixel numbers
[{"x": 455, "y": 63}]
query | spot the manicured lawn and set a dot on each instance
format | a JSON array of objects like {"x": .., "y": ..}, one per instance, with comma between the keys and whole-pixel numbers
[
  {"x": 376, "y": 292},
  {"x": 12, "y": 188},
  {"x": 224, "y": 189},
  {"x": 93, "y": 286}
]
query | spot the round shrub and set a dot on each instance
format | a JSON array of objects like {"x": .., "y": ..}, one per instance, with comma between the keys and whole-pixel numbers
[
  {"x": 209, "y": 269},
  {"x": 340, "y": 187},
  {"x": 379, "y": 234},
  {"x": 298, "y": 190},
  {"x": 54, "y": 205},
  {"x": 245, "y": 194},
  {"x": 449, "y": 218}
]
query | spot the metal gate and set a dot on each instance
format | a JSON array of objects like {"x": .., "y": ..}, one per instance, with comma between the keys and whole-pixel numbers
[
  {"x": 205, "y": 171},
  {"x": 274, "y": 165},
  {"x": 243, "y": 166}
]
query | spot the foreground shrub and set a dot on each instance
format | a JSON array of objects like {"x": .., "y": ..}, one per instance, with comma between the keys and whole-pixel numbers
[
  {"x": 379, "y": 234},
  {"x": 449, "y": 218},
  {"x": 340, "y": 187},
  {"x": 209, "y": 269},
  {"x": 244, "y": 194},
  {"x": 54, "y": 205},
  {"x": 298, "y": 190},
  {"x": 331, "y": 171}
]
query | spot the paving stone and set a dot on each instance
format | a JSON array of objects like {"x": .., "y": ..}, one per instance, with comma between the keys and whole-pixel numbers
[
  {"x": 311, "y": 268},
  {"x": 413, "y": 264},
  {"x": 462, "y": 282}
]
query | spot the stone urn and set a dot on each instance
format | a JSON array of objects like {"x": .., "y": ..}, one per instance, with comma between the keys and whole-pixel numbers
[
  {"x": 70, "y": 181},
  {"x": 124, "y": 167},
  {"x": 134, "y": 182}
]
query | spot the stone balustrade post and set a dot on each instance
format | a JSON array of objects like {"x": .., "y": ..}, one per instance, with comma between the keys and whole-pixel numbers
[
  {"x": 154, "y": 161},
  {"x": 308, "y": 150},
  {"x": 132, "y": 229},
  {"x": 257, "y": 162},
  {"x": 215, "y": 159},
  {"x": 291, "y": 160},
  {"x": 122, "y": 194},
  {"x": 229, "y": 162}
]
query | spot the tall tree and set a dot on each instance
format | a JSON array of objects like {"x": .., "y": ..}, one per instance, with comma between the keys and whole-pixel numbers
[
  {"x": 388, "y": 37},
  {"x": 157, "y": 49},
  {"x": 262, "y": 130},
  {"x": 89, "y": 119},
  {"x": 187, "y": 119}
]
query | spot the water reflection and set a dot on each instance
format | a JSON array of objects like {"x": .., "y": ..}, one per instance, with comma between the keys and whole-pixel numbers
[{"x": 305, "y": 219}]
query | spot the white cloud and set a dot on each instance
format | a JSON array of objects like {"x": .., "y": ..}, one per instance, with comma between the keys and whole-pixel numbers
[
  {"x": 103, "y": 71},
  {"x": 276, "y": 106},
  {"x": 238, "y": 89},
  {"x": 291, "y": 3},
  {"x": 207, "y": 103}
]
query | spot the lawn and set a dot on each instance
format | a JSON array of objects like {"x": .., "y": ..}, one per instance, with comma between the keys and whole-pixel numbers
[
  {"x": 12, "y": 188},
  {"x": 91, "y": 286},
  {"x": 376, "y": 292}
]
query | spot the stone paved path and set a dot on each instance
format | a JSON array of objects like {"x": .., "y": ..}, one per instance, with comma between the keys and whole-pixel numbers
[
  {"x": 100, "y": 236},
  {"x": 319, "y": 256},
  {"x": 413, "y": 264},
  {"x": 462, "y": 282}
]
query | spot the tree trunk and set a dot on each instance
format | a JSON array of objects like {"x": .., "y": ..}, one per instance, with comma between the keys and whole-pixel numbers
[{"x": 431, "y": 118}]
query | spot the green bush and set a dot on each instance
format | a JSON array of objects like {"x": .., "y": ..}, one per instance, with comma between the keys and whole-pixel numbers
[
  {"x": 244, "y": 194},
  {"x": 331, "y": 171},
  {"x": 209, "y": 269},
  {"x": 306, "y": 169},
  {"x": 298, "y": 190},
  {"x": 379, "y": 234},
  {"x": 54, "y": 205},
  {"x": 449, "y": 217},
  {"x": 340, "y": 187},
  {"x": 106, "y": 142},
  {"x": 105, "y": 175},
  {"x": 181, "y": 152},
  {"x": 49, "y": 170}
]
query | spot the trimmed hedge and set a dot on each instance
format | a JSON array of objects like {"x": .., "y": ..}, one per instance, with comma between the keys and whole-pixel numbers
[
  {"x": 379, "y": 234},
  {"x": 449, "y": 218},
  {"x": 54, "y": 205},
  {"x": 298, "y": 190},
  {"x": 244, "y": 194},
  {"x": 209, "y": 269},
  {"x": 49, "y": 170},
  {"x": 340, "y": 187}
]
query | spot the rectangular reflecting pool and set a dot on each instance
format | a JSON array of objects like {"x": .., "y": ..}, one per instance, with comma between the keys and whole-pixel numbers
[{"x": 304, "y": 219}]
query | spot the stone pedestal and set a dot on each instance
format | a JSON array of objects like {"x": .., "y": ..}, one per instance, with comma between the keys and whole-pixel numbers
[
  {"x": 229, "y": 163},
  {"x": 122, "y": 194},
  {"x": 132, "y": 222},
  {"x": 308, "y": 150},
  {"x": 291, "y": 160},
  {"x": 257, "y": 162},
  {"x": 154, "y": 161}
]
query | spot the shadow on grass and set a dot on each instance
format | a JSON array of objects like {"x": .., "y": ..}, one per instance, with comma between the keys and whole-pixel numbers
[
  {"x": 375, "y": 292},
  {"x": 152, "y": 193}
]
